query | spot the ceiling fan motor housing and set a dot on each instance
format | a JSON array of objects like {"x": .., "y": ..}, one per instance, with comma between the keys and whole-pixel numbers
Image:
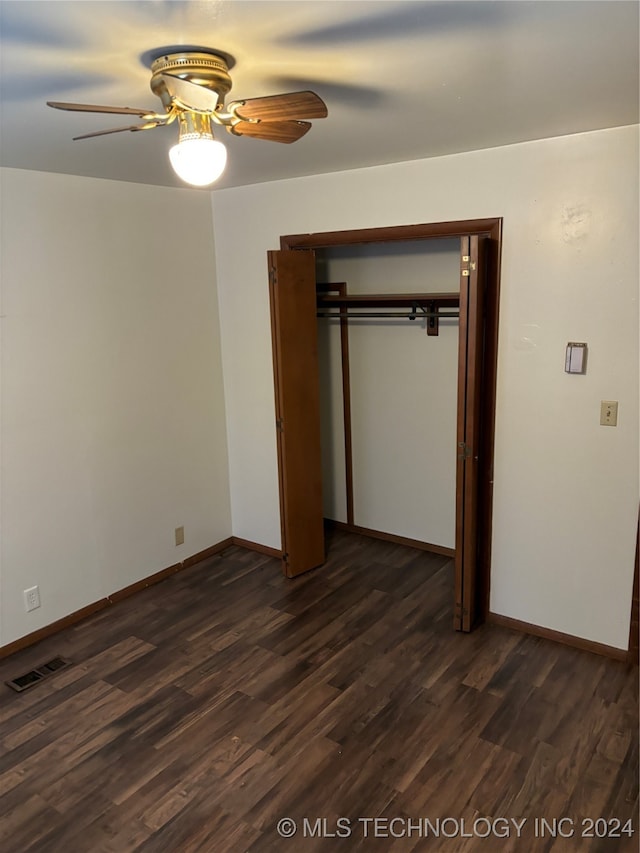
[{"x": 209, "y": 70}]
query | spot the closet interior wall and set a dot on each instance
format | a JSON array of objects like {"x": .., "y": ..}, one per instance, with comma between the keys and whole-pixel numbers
[{"x": 403, "y": 394}]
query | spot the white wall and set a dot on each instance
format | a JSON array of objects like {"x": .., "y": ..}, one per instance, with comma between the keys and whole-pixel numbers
[
  {"x": 113, "y": 425},
  {"x": 403, "y": 394},
  {"x": 566, "y": 489}
]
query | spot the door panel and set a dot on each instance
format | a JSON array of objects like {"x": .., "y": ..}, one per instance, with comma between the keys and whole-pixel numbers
[
  {"x": 471, "y": 346},
  {"x": 292, "y": 290}
]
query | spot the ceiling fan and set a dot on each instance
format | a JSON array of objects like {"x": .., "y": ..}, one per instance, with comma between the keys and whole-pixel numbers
[{"x": 192, "y": 85}]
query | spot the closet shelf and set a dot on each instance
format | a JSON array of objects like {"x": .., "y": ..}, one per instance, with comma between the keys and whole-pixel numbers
[{"x": 390, "y": 300}]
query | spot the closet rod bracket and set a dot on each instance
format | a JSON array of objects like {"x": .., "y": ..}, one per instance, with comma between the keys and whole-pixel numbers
[
  {"x": 432, "y": 318},
  {"x": 430, "y": 313}
]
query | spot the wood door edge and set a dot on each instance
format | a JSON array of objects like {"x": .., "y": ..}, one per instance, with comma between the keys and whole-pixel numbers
[{"x": 634, "y": 626}]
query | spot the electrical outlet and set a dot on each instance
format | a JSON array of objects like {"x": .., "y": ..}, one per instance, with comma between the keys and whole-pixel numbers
[
  {"x": 32, "y": 598},
  {"x": 608, "y": 413},
  {"x": 179, "y": 535}
]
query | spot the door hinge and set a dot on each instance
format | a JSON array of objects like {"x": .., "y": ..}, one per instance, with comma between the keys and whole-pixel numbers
[
  {"x": 464, "y": 450},
  {"x": 472, "y": 265},
  {"x": 279, "y": 425},
  {"x": 272, "y": 275},
  {"x": 285, "y": 556}
]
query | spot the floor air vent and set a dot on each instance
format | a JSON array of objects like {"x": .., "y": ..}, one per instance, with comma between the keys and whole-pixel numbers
[{"x": 23, "y": 682}]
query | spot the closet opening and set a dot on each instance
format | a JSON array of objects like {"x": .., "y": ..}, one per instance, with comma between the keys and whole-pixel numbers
[{"x": 384, "y": 345}]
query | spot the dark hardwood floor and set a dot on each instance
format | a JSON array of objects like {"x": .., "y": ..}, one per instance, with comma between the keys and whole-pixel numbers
[{"x": 200, "y": 712}]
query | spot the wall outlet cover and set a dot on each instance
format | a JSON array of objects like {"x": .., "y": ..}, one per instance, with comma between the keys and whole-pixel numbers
[{"x": 32, "y": 598}]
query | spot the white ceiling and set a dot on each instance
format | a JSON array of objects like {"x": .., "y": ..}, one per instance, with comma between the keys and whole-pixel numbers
[{"x": 402, "y": 80}]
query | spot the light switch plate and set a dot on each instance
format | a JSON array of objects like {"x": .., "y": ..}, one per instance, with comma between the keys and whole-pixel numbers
[
  {"x": 609, "y": 413},
  {"x": 575, "y": 358}
]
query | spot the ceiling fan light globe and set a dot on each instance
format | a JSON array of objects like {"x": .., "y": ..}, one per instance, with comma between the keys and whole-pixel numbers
[{"x": 198, "y": 162}]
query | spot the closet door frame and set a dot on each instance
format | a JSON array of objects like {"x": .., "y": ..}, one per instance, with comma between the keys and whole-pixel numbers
[{"x": 491, "y": 229}]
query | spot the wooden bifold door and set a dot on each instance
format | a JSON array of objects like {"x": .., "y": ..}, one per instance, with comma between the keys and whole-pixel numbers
[
  {"x": 292, "y": 287},
  {"x": 470, "y": 347}
]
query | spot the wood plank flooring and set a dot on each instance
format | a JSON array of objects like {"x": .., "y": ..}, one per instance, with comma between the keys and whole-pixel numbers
[{"x": 200, "y": 712}]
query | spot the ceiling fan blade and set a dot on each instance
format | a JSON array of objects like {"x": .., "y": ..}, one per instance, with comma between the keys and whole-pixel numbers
[
  {"x": 93, "y": 108},
  {"x": 349, "y": 94},
  {"x": 291, "y": 105},
  {"x": 191, "y": 95},
  {"x": 273, "y": 131},
  {"x": 148, "y": 126}
]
